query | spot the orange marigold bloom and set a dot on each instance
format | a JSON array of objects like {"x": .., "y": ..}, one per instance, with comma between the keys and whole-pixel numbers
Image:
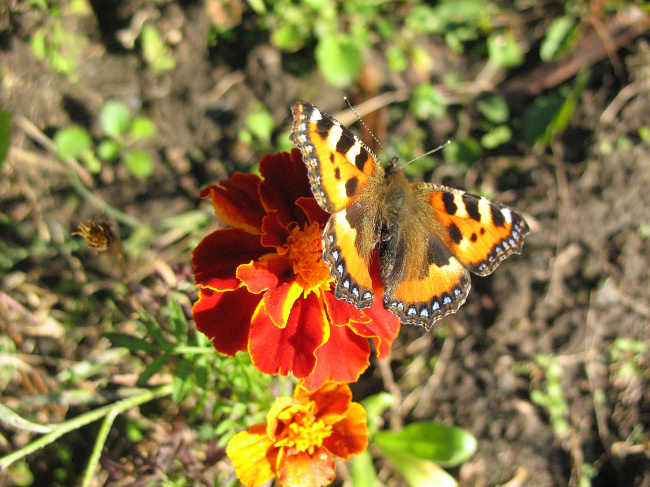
[
  {"x": 300, "y": 438},
  {"x": 264, "y": 288}
]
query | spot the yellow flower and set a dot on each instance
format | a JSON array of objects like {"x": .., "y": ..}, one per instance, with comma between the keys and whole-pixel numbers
[{"x": 300, "y": 438}]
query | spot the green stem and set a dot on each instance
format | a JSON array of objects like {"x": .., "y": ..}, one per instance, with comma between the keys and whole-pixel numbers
[{"x": 75, "y": 423}]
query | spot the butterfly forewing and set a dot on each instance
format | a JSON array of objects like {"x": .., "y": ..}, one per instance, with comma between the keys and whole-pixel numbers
[
  {"x": 341, "y": 168},
  {"x": 480, "y": 232}
]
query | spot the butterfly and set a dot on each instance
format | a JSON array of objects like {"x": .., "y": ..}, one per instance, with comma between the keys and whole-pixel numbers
[{"x": 428, "y": 237}]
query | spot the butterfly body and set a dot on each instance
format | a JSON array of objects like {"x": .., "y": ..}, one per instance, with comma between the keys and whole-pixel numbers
[{"x": 428, "y": 237}]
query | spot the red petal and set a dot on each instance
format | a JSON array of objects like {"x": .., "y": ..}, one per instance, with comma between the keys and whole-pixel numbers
[
  {"x": 290, "y": 349},
  {"x": 225, "y": 317},
  {"x": 219, "y": 254},
  {"x": 341, "y": 312},
  {"x": 236, "y": 201},
  {"x": 285, "y": 180},
  {"x": 342, "y": 359},
  {"x": 273, "y": 233},
  {"x": 304, "y": 470},
  {"x": 350, "y": 435},
  {"x": 383, "y": 327},
  {"x": 265, "y": 273},
  {"x": 312, "y": 209}
]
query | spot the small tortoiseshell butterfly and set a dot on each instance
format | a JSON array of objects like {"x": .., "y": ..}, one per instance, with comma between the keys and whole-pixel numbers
[{"x": 429, "y": 236}]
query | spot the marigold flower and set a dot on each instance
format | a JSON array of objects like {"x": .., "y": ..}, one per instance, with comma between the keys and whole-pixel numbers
[
  {"x": 264, "y": 288},
  {"x": 300, "y": 438}
]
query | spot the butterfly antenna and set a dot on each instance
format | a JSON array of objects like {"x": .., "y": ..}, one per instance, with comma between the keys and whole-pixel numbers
[
  {"x": 441, "y": 146},
  {"x": 392, "y": 158}
]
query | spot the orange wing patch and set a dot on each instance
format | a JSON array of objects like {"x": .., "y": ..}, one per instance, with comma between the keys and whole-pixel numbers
[
  {"x": 340, "y": 166},
  {"x": 423, "y": 301},
  {"x": 349, "y": 265},
  {"x": 480, "y": 233}
]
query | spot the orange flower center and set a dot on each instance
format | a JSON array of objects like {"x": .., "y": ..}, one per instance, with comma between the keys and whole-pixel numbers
[
  {"x": 304, "y": 433},
  {"x": 306, "y": 253}
]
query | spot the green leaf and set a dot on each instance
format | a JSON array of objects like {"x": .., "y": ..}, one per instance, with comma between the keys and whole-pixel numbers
[
  {"x": 497, "y": 136},
  {"x": 288, "y": 37},
  {"x": 448, "y": 446},
  {"x": 72, "y": 141},
  {"x": 5, "y": 134},
  {"x": 375, "y": 406},
  {"x": 465, "y": 152},
  {"x": 154, "y": 51},
  {"x": 143, "y": 128},
  {"x": 494, "y": 108},
  {"x": 131, "y": 342},
  {"x": 396, "y": 59},
  {"x": 115, "y": 119},
  {"x": 339, "y": 60},
  {"x": 539, "y": 116},
  {"x": 557, "y": 36},
  {"x": 139, "y": 163},
  {"x": 38, "y": 45},
  {"x": 428, "y": 102},
  {"x": 504, "y": 50},
  {"x": 362, "y": 470},
  {"x": 153, "y": 367},
  {"x": 419, "y": 472},
  {"x": 261, "y": 125},
  {"x": 108, "y": 149}
]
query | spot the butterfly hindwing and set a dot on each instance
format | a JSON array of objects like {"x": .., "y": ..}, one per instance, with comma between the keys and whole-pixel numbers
[
  {"x": 349, "y": 256},
  {"x": 341, "y": 167},
  {"x": 423, "y": 280}
]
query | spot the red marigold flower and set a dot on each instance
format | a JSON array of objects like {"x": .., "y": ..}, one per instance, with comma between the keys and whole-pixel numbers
[
  {"x": 264, "y": 288},
  {"x": 300, "y": 438}
]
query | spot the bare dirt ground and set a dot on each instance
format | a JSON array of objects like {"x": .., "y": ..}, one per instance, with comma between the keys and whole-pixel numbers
[{"x": 578, "y": 291}]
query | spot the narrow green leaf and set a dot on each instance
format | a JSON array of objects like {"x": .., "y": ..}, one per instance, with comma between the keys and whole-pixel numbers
[
  {"x": 5, "y": 135},
  {"x": 419, "y": 472},
  {"x": 131, "y": 342},
  {"x": 362, "y": 470},
  {"x": 153, "y": 367},
  {"x": 556, "y": 36}
]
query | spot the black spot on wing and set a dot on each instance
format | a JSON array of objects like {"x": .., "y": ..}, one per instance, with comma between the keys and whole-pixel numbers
[
  {"x": 344, "y": 143},
  {"x": 454, "y": 233},
  {"x": 351, "y": 186},
  {"x": 332, "y": 157},
  {"x": 474, "y": 237},
  {"x": 450, "y": 205},
  {"x": 361, "y": 159},
  {"x": 337, "y": 173},
  {"x": 323, "y": 127},
  {"x": 471, "y": 205},
  {"x": 497, "y": 215}
]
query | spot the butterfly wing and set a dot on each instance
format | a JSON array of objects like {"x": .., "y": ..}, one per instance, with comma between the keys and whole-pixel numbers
[
  {"x": 423, "y": 280},
  {"x": 481, "y": 233},
  {"x": 345, "y": 177},
  {"x": 426, "y": 259}
]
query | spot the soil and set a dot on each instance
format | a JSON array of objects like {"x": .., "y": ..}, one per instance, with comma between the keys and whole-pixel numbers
[{"x": 575, "y": 295}]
